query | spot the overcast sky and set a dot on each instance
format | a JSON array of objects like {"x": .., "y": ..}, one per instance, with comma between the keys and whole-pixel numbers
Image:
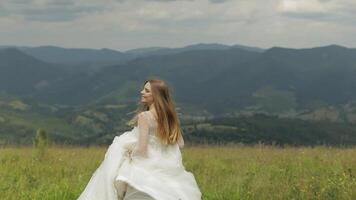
[{"x": 128, "y": 24}]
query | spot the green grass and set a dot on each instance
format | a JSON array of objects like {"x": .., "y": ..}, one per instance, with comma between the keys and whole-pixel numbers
[{"x": 222, "y": 172}]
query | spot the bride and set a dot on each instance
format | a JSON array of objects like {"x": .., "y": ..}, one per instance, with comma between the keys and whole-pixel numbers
[{"x": 145, "y": 163}]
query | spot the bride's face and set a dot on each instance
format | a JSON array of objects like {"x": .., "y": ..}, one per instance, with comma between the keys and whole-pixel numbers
[{"x": 146, "y": 94}]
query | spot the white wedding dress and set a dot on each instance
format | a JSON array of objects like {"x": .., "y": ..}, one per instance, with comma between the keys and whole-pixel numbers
[{"x": 136, "y": 162}]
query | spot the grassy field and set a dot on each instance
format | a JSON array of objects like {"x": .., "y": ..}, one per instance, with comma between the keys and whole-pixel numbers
[{"x": 222, "y": 172}]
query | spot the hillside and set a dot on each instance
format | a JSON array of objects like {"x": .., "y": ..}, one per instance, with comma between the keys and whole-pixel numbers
[
  {"x": 208, "y": 82},
  {"x": 21, "y": 74}
]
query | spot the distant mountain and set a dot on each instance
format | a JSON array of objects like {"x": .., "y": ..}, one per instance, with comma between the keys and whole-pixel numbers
[
  {"x": 248, "y": 48},
  {"x": 221, "y": 79},
  {"x": 279, "y": 80},
  {"x": 21, "y": 74},
  {"x": 287, "y": 79},
  {"x": 204, "y": 46},
  {"x": 72, "y": 56},
  {"x": 201, "y": 46},
  {"x": 145, "y": 51},
  {"x": 5, "y": 47},
  {"x": 184, "y": 70},
  {"x": 93, "y": 59},
  {"x": 90, "y": 105}
]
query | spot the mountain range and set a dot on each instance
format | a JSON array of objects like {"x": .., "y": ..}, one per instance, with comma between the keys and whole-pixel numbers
[{"x": 206, "y": 79}]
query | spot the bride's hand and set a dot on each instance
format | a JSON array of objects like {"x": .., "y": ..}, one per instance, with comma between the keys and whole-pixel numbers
[{"x": 129, "y": 151}]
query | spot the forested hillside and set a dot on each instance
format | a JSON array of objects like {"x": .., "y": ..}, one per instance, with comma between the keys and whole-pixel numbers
[{"x": 88, "y": 97}]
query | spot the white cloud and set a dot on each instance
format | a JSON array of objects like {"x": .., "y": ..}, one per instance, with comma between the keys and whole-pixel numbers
[
  {"x": 303, "y": 6},
  {"x": 124, "y": 24},
  {"x": 50, "y": 10},
  {"x": 334, "y": 11}
]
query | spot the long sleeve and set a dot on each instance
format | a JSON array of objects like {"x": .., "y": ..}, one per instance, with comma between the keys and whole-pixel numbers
[
  {"x": 181, "y": 142},
  {"x": 142, "y": 143}
]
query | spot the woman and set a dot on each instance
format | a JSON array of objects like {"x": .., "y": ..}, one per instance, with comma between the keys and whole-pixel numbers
[{"x": 146, "y": 163}]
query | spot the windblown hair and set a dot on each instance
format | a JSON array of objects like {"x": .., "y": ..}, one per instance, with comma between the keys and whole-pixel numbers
[{"x": 168, "y": 129}]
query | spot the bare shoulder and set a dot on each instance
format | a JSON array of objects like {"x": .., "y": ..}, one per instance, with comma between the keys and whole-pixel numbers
[{"x": 142, "y": 115}]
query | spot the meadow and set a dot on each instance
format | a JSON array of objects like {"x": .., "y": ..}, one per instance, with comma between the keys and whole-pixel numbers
[{"x": 223, "y": 172}]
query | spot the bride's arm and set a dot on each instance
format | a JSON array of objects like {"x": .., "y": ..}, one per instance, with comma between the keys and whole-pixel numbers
[
  {"x": 142, "y": 143},
  {"x": 181, "y": 141}
]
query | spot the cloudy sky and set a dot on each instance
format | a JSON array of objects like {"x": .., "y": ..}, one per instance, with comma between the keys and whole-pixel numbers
[{"x": 128, "y": 24}]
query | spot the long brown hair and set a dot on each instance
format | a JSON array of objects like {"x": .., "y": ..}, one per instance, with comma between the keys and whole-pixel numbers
[{"x": 168, "y": 129}]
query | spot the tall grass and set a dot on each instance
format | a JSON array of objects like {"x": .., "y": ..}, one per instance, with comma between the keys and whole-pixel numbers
[{"x": 222, "y": 172}]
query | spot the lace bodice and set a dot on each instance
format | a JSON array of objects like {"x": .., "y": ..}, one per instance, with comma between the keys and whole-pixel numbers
[
  {"x": 147, "y": 128},
  {"x": 151, "y": 121}
]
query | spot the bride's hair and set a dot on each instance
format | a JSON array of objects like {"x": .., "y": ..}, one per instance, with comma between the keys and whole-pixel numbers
[{"x": 168, "y": 128}]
